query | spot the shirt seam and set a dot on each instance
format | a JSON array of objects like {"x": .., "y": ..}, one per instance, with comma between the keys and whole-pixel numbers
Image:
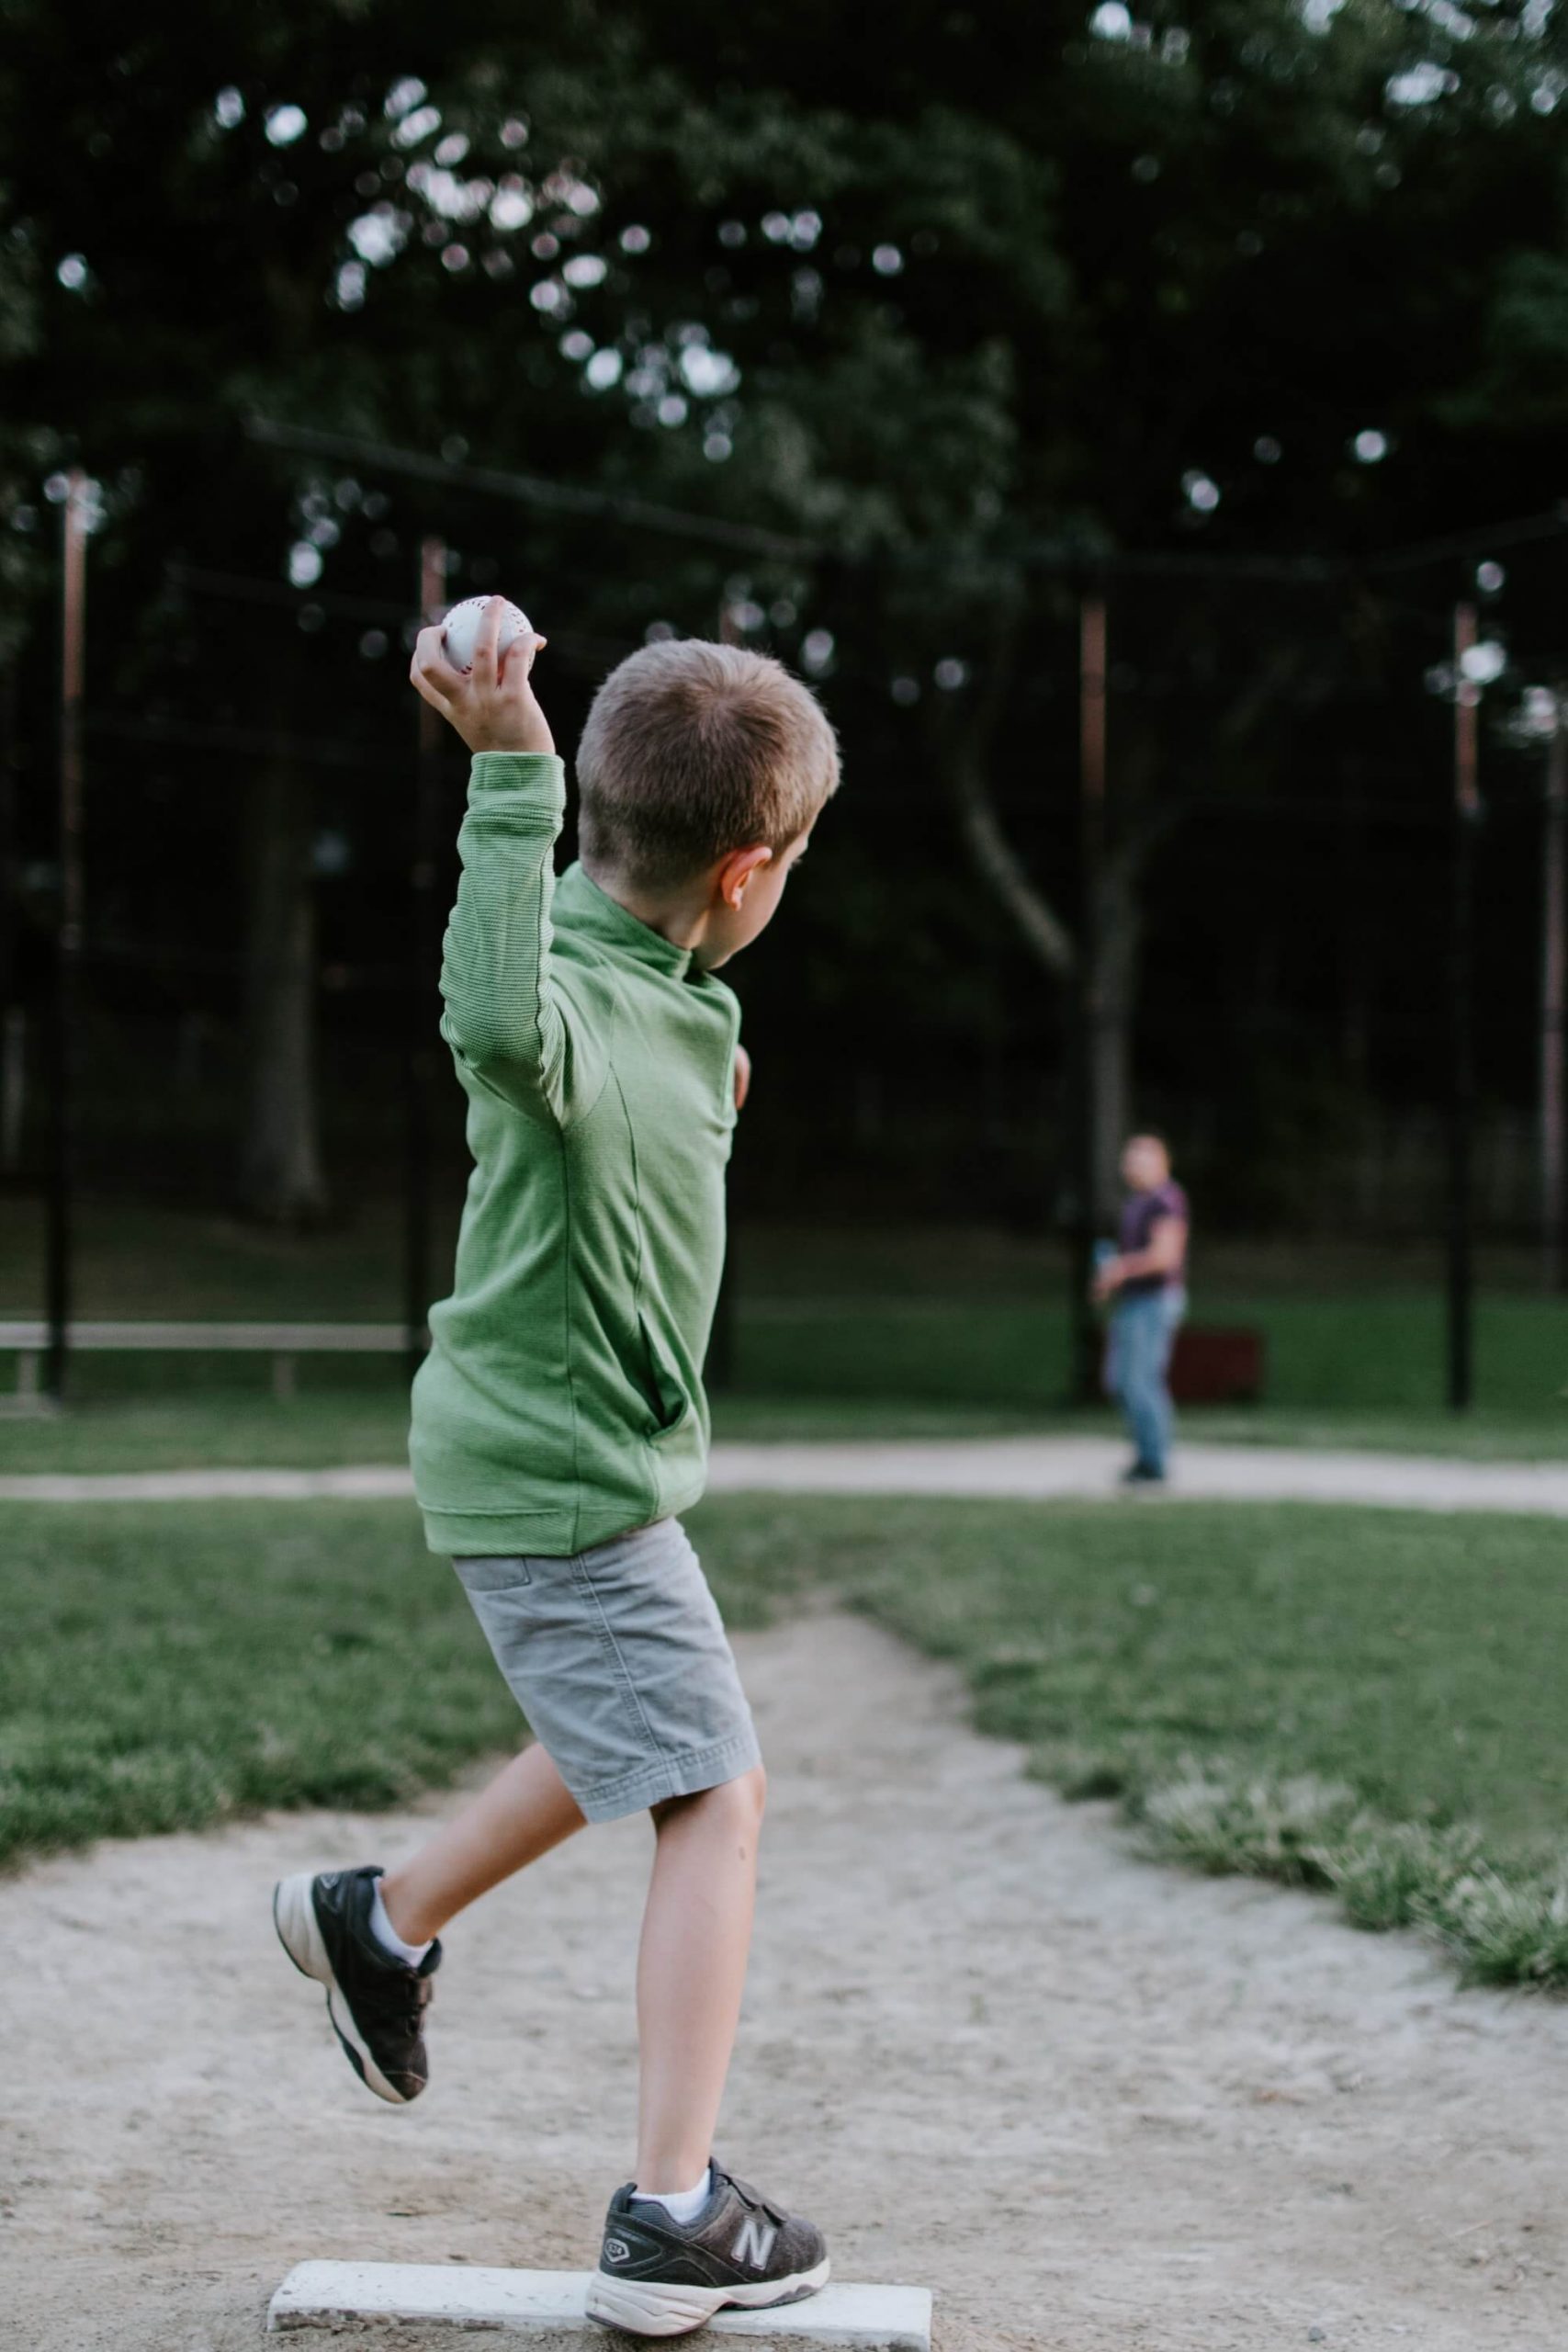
[
  {"x": 650, "y": 1458},
  {"x": 566, "y": 1119},
  {"x": 570, "y": 1333}
]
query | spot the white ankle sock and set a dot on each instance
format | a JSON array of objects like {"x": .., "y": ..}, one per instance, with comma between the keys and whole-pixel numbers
[
  {"x": 388, "y": 1937},
  {"x": 682, "y": 2205}
]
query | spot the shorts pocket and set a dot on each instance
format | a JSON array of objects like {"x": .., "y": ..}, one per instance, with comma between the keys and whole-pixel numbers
[{"x": 493, "y": 1575}]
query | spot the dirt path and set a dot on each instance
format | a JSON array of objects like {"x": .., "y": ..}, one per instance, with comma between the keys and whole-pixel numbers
[
  {"x": 1093, "y": 2103},
  {"x": 1035, "y": 1469}
]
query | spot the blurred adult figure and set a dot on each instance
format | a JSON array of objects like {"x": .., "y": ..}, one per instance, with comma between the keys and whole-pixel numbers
[{"x": 1144, "y": 1282}]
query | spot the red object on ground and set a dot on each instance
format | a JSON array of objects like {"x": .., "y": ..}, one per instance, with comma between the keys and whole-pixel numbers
[{"x": 1217, "y": 1364}]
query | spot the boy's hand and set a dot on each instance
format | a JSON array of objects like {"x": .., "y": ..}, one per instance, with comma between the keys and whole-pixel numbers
[
  {"x": 492, "y": 707},
  {"x": 743, "y": 1076}
]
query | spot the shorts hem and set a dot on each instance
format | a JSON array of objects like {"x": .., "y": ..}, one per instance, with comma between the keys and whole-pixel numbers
[{"x": 671, "y": 1775}]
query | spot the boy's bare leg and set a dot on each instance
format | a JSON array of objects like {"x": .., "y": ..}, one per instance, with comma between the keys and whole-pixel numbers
[
  {"x": 524, "y": 1811},
  {"x": 696, "y": 1934}
]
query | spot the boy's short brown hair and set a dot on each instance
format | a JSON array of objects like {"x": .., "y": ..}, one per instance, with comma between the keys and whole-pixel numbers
[{"x": 692, "y": 749}]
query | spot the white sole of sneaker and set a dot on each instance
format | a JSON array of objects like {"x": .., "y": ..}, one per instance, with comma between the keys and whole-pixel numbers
[
  {"x": 646, "y": 2307},
  {"x": 298, "y": 1931}
]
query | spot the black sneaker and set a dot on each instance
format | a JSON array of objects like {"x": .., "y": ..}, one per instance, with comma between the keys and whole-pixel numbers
[
  {"x": 376, "y": 2004},
  {"x": 1142, "y": 1474},
  {"x": 658, "y": 2277}
]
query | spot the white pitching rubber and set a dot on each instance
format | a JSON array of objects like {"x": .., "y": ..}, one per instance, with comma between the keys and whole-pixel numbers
[
  {"x": 643, "y": 2307},
  {"x": 554, "y": 2305}
]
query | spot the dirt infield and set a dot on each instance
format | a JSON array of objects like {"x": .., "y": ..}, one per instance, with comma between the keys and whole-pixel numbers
[{"x": 1093, "y": 2103}]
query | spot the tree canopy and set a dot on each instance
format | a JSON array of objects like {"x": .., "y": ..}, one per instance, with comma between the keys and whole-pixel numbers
[
  {"x": 934, "y": 305},
  {"x": 1244, "y": 272}
]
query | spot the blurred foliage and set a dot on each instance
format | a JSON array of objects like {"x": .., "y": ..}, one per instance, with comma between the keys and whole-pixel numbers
[
  {"x": 983, "y": 276},
  {"x": 932, "y": 298},
  {"x": 1106, "y": 251}
]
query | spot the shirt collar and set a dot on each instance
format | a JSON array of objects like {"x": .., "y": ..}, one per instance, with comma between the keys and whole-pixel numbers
[{"x": 591, "y": 912}]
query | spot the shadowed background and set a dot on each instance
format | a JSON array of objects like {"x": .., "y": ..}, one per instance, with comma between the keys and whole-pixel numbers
[{"x": 888, "y": 352}]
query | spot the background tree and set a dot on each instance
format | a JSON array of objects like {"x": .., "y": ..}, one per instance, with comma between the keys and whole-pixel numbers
[{"x": 949, "y": 310}]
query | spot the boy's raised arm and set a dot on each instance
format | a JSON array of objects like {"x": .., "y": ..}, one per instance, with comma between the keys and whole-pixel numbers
[{"x": 504, "y": 1017}]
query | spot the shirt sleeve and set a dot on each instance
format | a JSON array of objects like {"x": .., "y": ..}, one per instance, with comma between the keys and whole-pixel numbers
[{"x": 505, "y": 1017}]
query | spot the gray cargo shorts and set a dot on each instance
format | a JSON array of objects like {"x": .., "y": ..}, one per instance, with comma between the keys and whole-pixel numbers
[{"x": 617, "y": 1656}]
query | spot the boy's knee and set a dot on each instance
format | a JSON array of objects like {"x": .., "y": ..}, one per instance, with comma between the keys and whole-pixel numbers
[{"x": 741, "y": 1801}]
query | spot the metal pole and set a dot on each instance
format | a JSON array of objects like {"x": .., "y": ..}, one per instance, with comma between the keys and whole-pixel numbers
[
  {"x": 1553, "y": 993},
  {"x": 423, "y": 969},
  {"x": 718, "y": 1368},
  {"x": 1461, "y": 1105},
  {"x": 62, "y": 1146},
  {"x": 1091, "y": 840},
  {"x": 13, "y": 1035}
]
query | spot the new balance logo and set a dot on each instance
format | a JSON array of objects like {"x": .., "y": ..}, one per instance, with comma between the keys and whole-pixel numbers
[
  {"x": 755, "y": 2241},
  {"x": 616, "y": 2250}
]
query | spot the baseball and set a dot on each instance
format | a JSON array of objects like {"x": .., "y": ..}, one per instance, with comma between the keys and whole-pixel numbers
[{"x": 460, "y": 631}]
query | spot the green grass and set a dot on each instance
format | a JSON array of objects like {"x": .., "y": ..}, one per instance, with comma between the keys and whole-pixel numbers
[
  {"x": 188, "y": 1413},
  {"x": 167, "y": 1667},
  {"x": 1353, "y": 1333},
  {"x": 895, "y": 1331},
  {"x": 1371, "y": 1701},
  {"x": 210, "y": 1413},
  {"x": 134, "y": 1260},
  {"x": 1348, "y": 1359},
  {"x": 206, "y": 1413}
]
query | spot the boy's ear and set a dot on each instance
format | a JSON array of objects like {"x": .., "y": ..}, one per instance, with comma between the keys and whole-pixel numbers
[{"x": 736, "y": 871}]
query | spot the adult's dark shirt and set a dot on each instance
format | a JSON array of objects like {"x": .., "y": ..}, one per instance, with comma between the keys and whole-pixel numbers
[{"x": 1140, "y": 1215}]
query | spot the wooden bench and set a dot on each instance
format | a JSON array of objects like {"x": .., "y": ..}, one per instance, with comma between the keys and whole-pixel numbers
[{"x": 284, "y": 1342}]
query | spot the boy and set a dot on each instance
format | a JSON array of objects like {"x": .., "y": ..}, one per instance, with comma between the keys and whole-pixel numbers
[
  {"x": 559, "y": 1422},
  {"x": 1146, "y": 1277}
]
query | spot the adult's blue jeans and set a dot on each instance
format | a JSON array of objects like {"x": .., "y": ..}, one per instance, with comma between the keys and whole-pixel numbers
[{"x": 1142, "y": 1333}]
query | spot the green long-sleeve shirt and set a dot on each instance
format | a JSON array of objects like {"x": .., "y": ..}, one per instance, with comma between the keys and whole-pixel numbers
[{"x": 561, "y": 1402}]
